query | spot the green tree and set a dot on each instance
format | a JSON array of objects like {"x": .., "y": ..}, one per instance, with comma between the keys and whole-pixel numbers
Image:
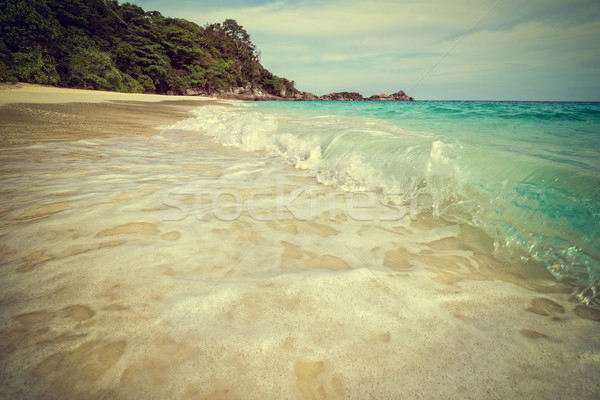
[
  {"x": 34, "y": 67},
  {"x": 182, "y": 41},
  {"x": 102, "y": 45},
  {"x": 147, "y": 83},
  {"x": 196, "y": 75},
  {"x": 24, "y": 25},
  {"x": 272, "y": 84},
  {"x": 93, "y": 69}
]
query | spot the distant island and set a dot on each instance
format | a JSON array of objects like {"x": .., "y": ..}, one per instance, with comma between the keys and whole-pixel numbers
[
  {"x": 102, "y": 45},
  {"x": 249, "y": 93},
  {"x": 353, "y": 96}
]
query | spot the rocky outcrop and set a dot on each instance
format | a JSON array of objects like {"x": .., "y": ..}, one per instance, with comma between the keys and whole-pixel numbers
[
  {"x": 252, "y": 94},
  {"x": 353, "y": 96},
  {"x": 236, "y": 93},
  {"x": 398, "y": 96},
  {"x": 255, "y": 94},
  {"x": 303, "y": 96},
  {"x": 194, "y": 92},
  {"x": 342, "y": 96}
]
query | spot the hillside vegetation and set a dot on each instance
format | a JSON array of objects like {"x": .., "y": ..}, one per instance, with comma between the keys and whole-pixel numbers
[{"x": 104, "y": 45}]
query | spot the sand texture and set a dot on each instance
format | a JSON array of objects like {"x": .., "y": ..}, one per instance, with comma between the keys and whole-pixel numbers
[
  {"x": 138, "y": 264},
  {"x": 34, "y": 114}
]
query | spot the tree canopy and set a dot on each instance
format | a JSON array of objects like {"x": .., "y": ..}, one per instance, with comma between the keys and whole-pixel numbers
[{"x": 104, "y": 45}]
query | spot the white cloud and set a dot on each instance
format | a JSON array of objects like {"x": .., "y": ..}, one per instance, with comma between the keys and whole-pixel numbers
[{"x": 388, "y": 45}]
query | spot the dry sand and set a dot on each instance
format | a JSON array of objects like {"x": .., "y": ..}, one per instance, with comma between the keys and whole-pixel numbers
[
  {"x": 33, "y": 114},
  {"x": 28, "y": 93}
]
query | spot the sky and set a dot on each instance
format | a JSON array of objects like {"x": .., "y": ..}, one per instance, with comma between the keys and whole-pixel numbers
[{"x": 431, "y": 49}]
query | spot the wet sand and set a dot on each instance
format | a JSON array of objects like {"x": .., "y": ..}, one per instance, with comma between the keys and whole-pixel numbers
[
  {"x": 119, "y": 281},
  {"x": 36, "y": 114}
]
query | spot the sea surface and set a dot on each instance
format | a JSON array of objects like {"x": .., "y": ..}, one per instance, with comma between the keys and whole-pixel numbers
[
  {"x": 525, "y": 173},
  {"x": 302, "y": 250}
]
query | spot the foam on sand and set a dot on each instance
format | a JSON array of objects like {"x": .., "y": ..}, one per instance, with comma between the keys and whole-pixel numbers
[
  {"x": 170, "y": 266},
  {"x": 173, "y": 267}
]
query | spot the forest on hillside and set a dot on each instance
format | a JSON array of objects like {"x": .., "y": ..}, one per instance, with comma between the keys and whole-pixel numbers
[{"x": 104, "y": 45}]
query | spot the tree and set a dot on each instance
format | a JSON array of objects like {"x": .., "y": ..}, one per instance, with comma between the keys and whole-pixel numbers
[
  {"x": 35, "y": 67},
  {"x": 102, "y": 45},
  {"x": 93, "y": 69},
  {"x": 24, "y": 25}
]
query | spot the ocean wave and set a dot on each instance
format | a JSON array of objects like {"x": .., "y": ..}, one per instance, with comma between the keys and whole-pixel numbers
[{"x": 533, "y": 208}]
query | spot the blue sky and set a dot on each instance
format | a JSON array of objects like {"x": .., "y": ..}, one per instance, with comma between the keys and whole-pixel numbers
[{"x": 432, "y": 49}]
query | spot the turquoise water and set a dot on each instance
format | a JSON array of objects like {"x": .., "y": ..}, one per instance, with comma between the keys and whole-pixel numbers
[
  {"x": 127, "y": 262},
  {"x": 525, "y": 173}
]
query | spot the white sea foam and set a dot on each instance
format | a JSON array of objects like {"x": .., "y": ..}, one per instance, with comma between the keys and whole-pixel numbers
[
  {"x": 174, "y": 267},
  {"x": 459, "y": 181}
]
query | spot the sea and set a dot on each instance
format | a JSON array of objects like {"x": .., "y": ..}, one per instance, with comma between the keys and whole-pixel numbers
[
  {"x": 304, "y": 250},
  {"x": 526, "y": 174}
]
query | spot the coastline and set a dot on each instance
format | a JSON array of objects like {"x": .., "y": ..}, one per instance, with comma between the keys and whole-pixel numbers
[
  {"x": 108, "y": 292},
  {"x": 32, "y": 114}
]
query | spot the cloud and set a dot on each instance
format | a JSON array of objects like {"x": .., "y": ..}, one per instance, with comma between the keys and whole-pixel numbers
[{"x": 387, "y": 45}]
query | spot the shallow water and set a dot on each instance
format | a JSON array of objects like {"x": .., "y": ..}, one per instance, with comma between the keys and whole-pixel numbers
[
  {"x": 176, "y": 267},
  {"x": 527, "y": 174}
]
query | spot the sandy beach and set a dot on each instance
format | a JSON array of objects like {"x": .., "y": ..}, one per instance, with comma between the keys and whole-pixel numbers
[
  {"x": 34, "y": 114},
  {"x": 147, "y": 263}
]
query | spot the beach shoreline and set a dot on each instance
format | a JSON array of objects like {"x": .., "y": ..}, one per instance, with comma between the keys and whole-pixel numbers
[
  {"x": 140, "y": 262},
  {"x": 32, "y": 114}
]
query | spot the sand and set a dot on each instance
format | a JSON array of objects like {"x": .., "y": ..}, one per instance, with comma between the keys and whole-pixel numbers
[
  {"x": 34, "y": 114},
  {"x": 37, "y": 94},
  {"x": 118, "y": 280}
]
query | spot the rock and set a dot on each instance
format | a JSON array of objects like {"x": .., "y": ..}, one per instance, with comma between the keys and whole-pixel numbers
[
  {"x": 342, "y": 96},
  {"x": 399, "y": 96},
  {"x": 308, "y": 96},
  {"x": 193, "y": 92},
  {"x": 253, "y": 93},
  {"x": 353, "y": 96}
]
